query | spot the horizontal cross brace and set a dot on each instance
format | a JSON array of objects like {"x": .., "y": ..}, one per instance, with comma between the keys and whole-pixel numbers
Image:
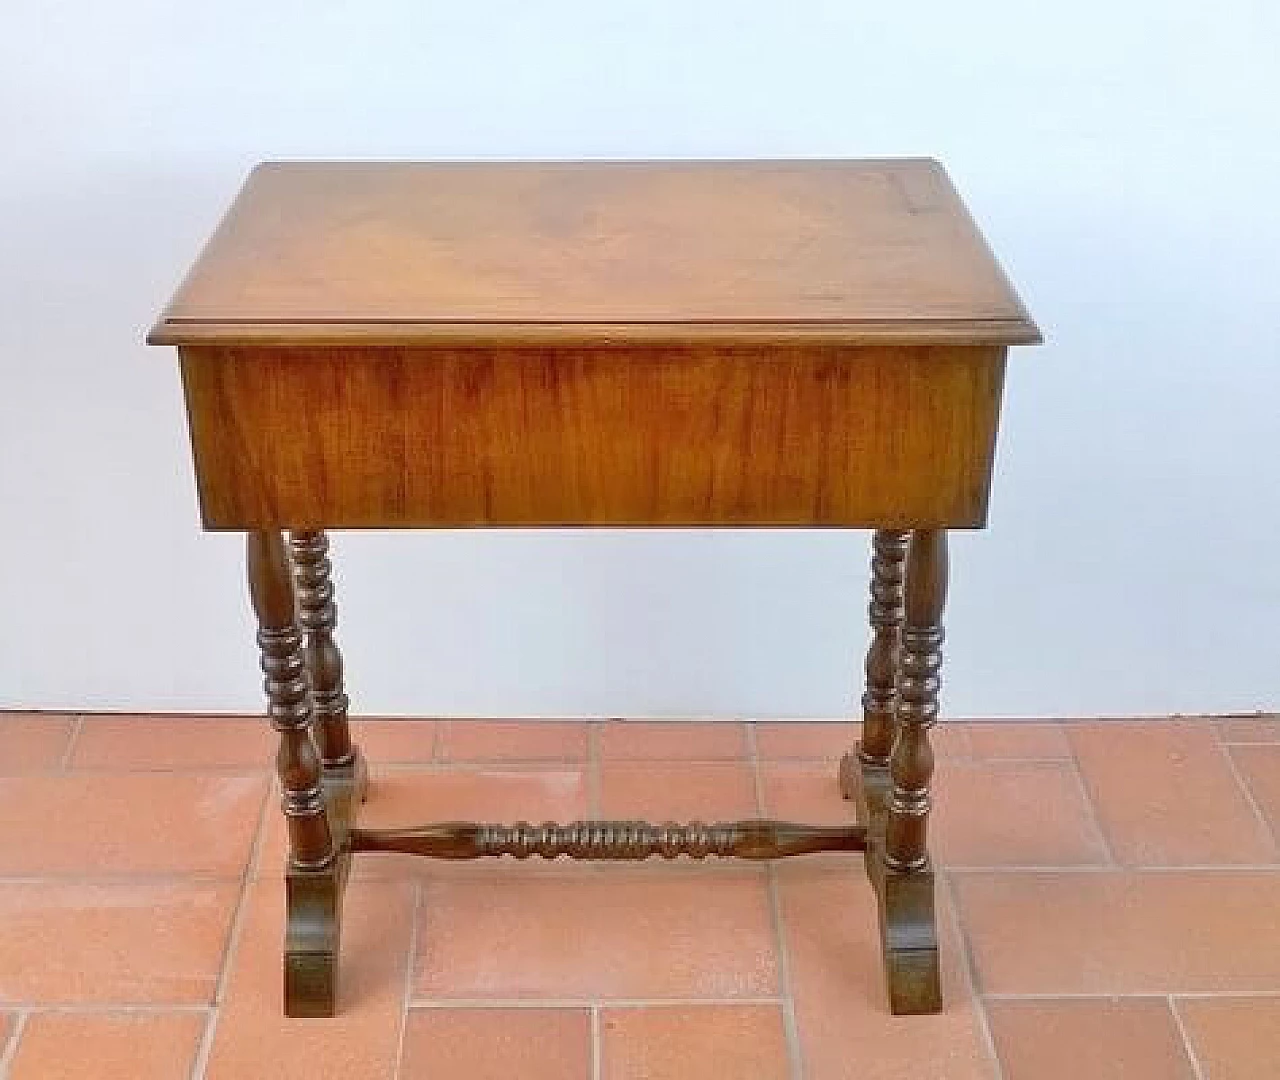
[{"x": 612, "y": 840}]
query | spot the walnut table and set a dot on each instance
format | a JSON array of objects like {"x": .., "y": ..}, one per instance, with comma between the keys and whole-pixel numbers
[{"x": 727, "y": 344}]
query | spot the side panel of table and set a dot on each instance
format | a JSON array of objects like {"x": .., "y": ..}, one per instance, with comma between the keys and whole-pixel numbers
[{"x": 308, "y": 437}]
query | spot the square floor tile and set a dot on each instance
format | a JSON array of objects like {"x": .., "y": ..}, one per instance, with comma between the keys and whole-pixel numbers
[
  {"x": 1123, "y": 932},
  {"x": 677, "y": 791},
  {"x": 67, "y": 943},
  {"x": 836, "y": 976},
  {"x": 1013, "y": 813},
  {"x": 1259, "y": 767},
  {"x": 395, "y": 742},
  {"x": 677, "y": 1042},
  {"x": 1165, "y": 795},
  {"x": 1097, "y": 1038},
  {"x": 1234, "y": 1038},
  {"x": 141, "y": 823},
  {"x": 597, "y": 937},
  {"x": 253, "y": 1037},
  {"x": 33, "y": 742},
  {"x": 514, "y": 740},
  {"x": 812, "y": 740},
  {"x": 1018, "y": 740},
  {"x": 635, "y": 740},
  {"x": 132, "y": 743},
  {"x": 108, "y": 1046},
  {"x": 497, "y": 1044}
]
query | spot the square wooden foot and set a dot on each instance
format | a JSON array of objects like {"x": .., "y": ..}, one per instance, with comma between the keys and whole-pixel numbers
[
  {"x": 313, "y": 926},
  {"x": 905, "y": 899}
]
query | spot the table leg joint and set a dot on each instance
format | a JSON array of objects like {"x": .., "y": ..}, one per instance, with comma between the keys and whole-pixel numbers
[{"x": 905, "y": 905}]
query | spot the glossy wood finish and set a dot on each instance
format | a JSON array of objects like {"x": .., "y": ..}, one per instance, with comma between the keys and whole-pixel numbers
[
  {"x": 612, "y": 840},
  {"x": 803, "y": 436},
  {"x": 288, "y": 699},
  {"x": 889, "y": 774},
  {"x": 904, "y": 900},
  {"x": 318, "y": 616},
  {"x": 404, "y": 345},
  {"x": 880, "y": 696},
  {"x": 919, "y": 681},
  {"x": 416, "y": 252},
  {"x": 313, "y": 903}
]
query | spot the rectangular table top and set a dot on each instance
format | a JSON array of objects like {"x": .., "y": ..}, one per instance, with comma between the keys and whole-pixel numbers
[{"x": 409, "y": 253}]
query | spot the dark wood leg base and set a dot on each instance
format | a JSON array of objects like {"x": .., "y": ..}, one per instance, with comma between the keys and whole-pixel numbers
[
  {"x": 909, "y": 941},
  {"x": 349, "y": 780},
  {"x": 869, "y": 786},
  {"x": 908, "y": 925},
  {"x": 313, "y": 928},
  {"x": 312, "y": 939}
]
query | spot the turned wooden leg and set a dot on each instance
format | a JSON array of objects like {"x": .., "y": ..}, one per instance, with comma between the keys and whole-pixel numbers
[
  {"x": 288, "y": 700},
  {"x": 867, "y": 769},
  {"x": 906, "y": 894},
  {"x": 344, "y": 769},
  {"x": 315, "y": 873},
  {"x": 318, "y": 616}
]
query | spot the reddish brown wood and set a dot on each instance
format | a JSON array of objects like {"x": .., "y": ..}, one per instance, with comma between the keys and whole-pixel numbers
[
  {"x": 879, "y": 700},
  {"x": 697, "y": 343},
  {"x": 288, "y": 699},
  {"x": 612, "y": 840},
  {"x": 802, "y": 435},
  {"x": 911, "y": 765},
  {"x": 318, "y": 616},
  {"x": 569, "y": 252}
]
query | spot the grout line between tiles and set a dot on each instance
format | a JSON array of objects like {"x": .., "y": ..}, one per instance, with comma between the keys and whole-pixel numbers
[
  {"x": 410, "y": 964},
  {"x": 751, "y": 743},
  {"x": 1192, "y": 1056},
  {"x": 584, "y": 1003},
  {"x": 77, "y": 726},
  {"x": 251, "y": 771},
  {"x": 1090, "y": 805},
  {"x": 478, "y": 764},
  {"x": 201, "y": 1059},
  {"x": 651, "y": 868},
  {"x": 795, "y": 1048},
  {"x": 11, "y": 1047},
  {"x": 201, "y": 1062},
  {"x": 1088, "y": 995},
  {"x": 971, "y": 976},
  {"x": 593, "y": 776},
  {"x": 1100, "y": 868},
  {"x": 595, "y": 1041},
  {"x": 1247, "y": 791},
  {"x": 94, "y": 1007},
  {"x": 791, "y": 1028},
  {"x": 161, "y": 877}
]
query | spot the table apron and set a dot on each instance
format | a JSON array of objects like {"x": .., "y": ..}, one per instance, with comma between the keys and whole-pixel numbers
[{"x": 809, "y": 435}]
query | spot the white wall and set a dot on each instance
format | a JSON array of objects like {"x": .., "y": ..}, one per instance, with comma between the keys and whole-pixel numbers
[{"x": 1122, "y": 158}]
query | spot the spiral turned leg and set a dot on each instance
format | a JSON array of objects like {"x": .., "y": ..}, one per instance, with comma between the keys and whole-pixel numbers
[
  {"x": 344, "y": 769},
  {"x": 906, "y": 887},
  {"x": 865, "y": 772},
  {"x": 316, "y": 869}
]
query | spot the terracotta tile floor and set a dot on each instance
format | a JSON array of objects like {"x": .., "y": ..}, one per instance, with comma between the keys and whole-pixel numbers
[{"x": 1109, "y": 901}]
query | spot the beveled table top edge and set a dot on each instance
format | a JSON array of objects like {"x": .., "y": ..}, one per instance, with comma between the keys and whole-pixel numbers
[{"x": 185, "y": 332}]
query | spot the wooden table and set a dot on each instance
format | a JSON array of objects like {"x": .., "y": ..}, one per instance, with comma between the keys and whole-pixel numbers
[{"x": 467, "y": 345}]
